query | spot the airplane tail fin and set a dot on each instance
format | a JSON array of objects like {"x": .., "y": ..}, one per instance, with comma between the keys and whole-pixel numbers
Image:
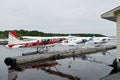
[{"x": 13, "y": 37}]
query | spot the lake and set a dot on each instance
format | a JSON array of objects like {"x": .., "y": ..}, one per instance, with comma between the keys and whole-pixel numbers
[{"x": 89, "y": 67}]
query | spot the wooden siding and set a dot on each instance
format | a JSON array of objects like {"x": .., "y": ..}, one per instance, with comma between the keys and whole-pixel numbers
[{"x": 118, "y": 36}]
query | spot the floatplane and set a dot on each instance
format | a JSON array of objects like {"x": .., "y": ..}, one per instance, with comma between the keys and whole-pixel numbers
[
  {"x": 15, "y": 42},
  {"x": 31, "y": 41},
  {"x": 74, "y": 40},
  {"x": 41, "y": 43},
  {"x": 101, "y": 40}
]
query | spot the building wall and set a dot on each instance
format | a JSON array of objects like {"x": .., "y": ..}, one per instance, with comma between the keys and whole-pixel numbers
[{"x": 118, "y": 35}]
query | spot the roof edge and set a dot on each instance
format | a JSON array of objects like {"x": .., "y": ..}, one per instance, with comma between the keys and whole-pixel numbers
[{"x": 111, "y": 14}]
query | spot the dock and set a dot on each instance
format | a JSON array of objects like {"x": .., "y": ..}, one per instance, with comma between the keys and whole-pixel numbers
[{"x": 14, "y": 61}]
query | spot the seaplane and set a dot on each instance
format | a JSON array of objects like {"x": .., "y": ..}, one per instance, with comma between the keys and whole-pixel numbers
[
  {"x": 74, "y": 40},
  {"x": 30, "y": 41},
  {"x": 99, "y": 40},
  {"x": 15, "y": 42},
  {"x": 86, "y": 41}
]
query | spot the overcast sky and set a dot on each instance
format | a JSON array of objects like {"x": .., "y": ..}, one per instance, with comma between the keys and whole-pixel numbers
[{"x": 58, "y": 16}]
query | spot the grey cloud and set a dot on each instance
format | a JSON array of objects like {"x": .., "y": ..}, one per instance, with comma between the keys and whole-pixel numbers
[{"x": 68, "y": 16}]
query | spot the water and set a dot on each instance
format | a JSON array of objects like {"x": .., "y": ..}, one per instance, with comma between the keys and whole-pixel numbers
[{"x": 89, "y": 67}]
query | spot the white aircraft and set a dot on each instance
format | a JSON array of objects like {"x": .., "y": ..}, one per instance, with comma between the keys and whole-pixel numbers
[
  {"x": 99, "y": 40},
  {"x": 15, "y": 42},
  {"x": 73, "y": 40}
]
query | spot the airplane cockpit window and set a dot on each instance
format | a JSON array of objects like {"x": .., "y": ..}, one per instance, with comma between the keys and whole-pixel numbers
[
  {"x": 103, "y": 39},
  {"x": 65, "y": 41},
  {"x": 84, "y": 40}
]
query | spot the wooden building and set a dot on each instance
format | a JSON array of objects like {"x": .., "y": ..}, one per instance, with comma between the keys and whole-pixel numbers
[{"x": 114, "y": 15}]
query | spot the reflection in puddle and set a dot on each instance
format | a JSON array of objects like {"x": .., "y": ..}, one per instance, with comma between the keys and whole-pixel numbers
[
  {"x": 76, "y": 68},
  {"x": 45, "y": 66},
  {"x": 70, "y": 77}
]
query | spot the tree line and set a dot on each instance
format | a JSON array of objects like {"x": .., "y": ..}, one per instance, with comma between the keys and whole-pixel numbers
[{"x": 4, "y": 34}]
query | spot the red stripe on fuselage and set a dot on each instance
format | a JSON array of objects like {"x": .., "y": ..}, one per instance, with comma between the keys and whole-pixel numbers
[{"x": 37, "y": 43}]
